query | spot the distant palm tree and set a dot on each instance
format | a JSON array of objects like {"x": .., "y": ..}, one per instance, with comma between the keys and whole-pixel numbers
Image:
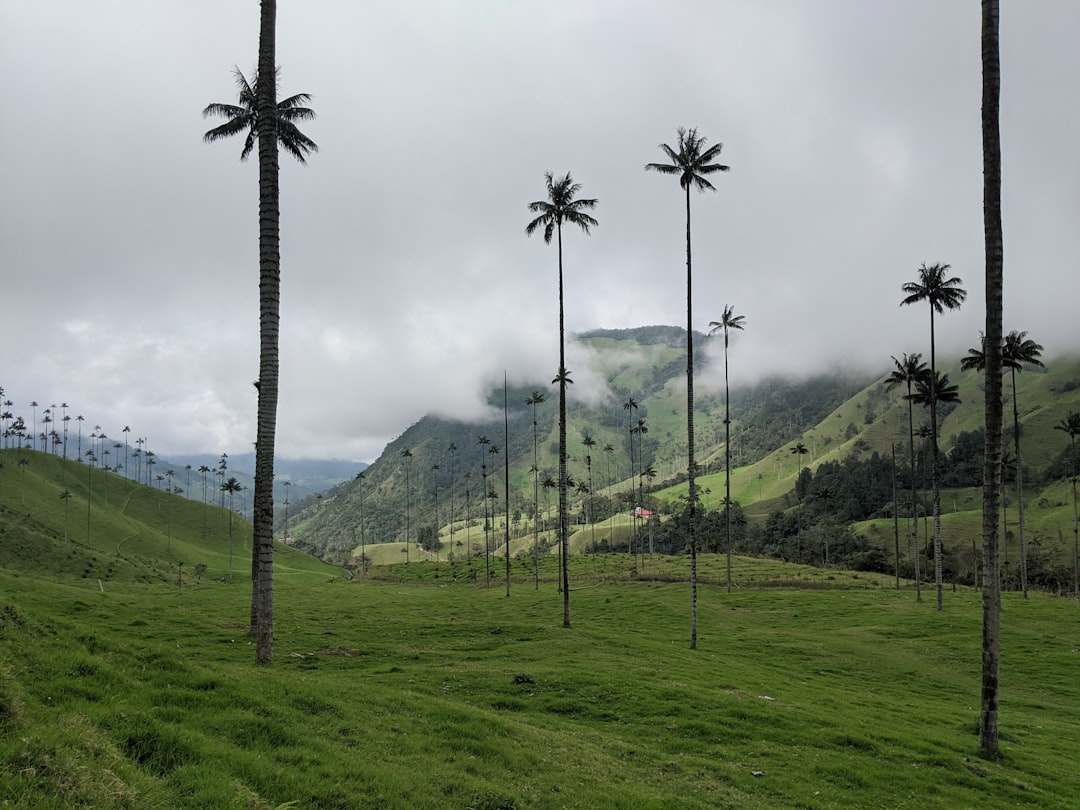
[
  {"x": 930, "y": 390},
  {"x": 231, "y": 486},
  {"x": 203, "y": 469},
  {"x": 126, "y": 431},
  {"x": 609, "y": 450},
  {"x": 641, "y": 429},
  {"x": 941, "y": 293},
  {"x": 728, "y": 321},
  {"x": 452, "y": 450},
  {"x": 691, "y": 161},
  {"x": 589, "y": 443},
  {"x": 1017, "y": 351},
  {"x": 799, "y": 450},
  {"x": 561, "y": 206},
  {"x": 435, "y": 493},
  {"x": 630, "y": 406},
  {"x": 908, "y": 371},
  {"x": 1070, "y": 425},
  {"x": 363, "y": 548},
  {"x": 484, "y": 443},
  {"x": 535, "y": 399},
  {"x": 407, "y": 455},
  {"x": 492, "y": 496}
]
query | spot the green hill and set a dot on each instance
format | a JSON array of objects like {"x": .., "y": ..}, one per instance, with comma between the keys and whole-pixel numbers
[
  {"x": 111, "y": 529},
  {"x": 838, "y": 417}
]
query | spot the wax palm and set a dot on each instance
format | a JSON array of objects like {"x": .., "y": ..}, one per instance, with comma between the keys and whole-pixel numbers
[
  {"x": 589, "y": 443},
  {"x": 535, "y": 399},
  {"x": 561, "y": 206},
  {"x": 269, "y": 122},
  {"x": 692, "y": 161},
  {"x": 994, "y": 289},
  {"x": 930, "y": 390},
  {"x": 728, "y": 321},
  {"x": 799, "y": 450},
  {"x": 908, "y": 371},
  {"x": 942, "y": 293},
  {"x": 1017, "y": 351},
  {"x": 1070, "y": 425},
  {"x": 243, "y": 117},
  {"x": 230, "y": 487}
]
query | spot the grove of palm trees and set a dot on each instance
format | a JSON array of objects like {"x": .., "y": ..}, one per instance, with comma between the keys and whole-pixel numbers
[{"x": 800, "y": 515}]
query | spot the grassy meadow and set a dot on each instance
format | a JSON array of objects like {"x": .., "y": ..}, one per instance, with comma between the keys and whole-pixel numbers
[{"x": 418, "y": 687}]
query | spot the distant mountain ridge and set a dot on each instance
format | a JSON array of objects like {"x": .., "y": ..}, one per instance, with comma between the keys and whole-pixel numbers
[{"x": 418, "y": 477}]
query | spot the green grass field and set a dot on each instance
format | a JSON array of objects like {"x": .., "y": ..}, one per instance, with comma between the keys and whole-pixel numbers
[
  {"x": 415, "y": 686},
  {"x": 396, "y": 694}
]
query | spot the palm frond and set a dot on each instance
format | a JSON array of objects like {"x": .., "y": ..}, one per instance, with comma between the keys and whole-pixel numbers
[
  {"x": 226, "y": 130},
  {"x": 223, "y": 110}
]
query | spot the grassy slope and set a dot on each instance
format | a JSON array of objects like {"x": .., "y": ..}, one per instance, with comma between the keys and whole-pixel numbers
[
  {"x": 812, "y": 688},
  {"x": 405, "y": 695}
]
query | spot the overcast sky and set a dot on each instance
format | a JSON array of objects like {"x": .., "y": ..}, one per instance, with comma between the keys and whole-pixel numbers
[{"x": 128, "y": 247}]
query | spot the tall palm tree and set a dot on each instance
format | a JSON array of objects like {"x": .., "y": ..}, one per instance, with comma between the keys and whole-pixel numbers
[
  {"x": 728, "y": 321},
  {"x": 1017, "y": 351},
  {"x": 991, "y": 142},
  {"x": 799, "y": 450},
  {"x": 630, "y": 406},
  {"x": 1070, "y": 425},
  {"x": 561, "y": 206},
  {"x": 942, "y": 293},
  {"x": 692, "y": 161},
  {"x": 231, "y": 486},
  {"x": 535, "y": 399},
  {"x": 908, "y": 371},
  {"x": 270, "y": 122},
  {"x": 930, "y": 390}
]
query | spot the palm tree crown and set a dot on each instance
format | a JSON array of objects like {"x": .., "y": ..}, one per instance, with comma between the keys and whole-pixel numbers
[
  {"x": 932, "y": 285},
  {"x": 691, "y": 161},
  {"x": 559, "y": 207},
  {"x": 244, "y": 116}
]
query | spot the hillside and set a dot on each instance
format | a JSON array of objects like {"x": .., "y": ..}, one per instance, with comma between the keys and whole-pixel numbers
[
  {"x": 838, "y": 417},
  {"x": 70, "y": 521}
]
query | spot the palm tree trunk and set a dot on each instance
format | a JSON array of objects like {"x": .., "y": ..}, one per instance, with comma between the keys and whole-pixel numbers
[
  {"x": 991, "y": 638},
  {"x": 727, "y": 459},
  {"x": 935, "y": 489},
  {"x": 564, "y": 517},
  {"x": 269, "y": 301},
  {"x": 1019, "y": 488},
  {"x": 914, "y": 494},
  {"x": 691, "y": 472}
]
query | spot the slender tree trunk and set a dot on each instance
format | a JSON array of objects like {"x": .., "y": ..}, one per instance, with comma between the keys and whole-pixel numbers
[
  {"x": 914, "y": 495},
  {"x": 506, "y": 483},
  {"x": 564, "y": 517},
  {"x": 691, "y": 471},
  {"x": 727, "y": 459},
  {"x": 934, "y": 487},
  {"x": 269, "y": 301},
  {"x": 1019, "y": 488},
  {"x": 991, "y": 639},
  {"x": 896, "y": 516}
]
